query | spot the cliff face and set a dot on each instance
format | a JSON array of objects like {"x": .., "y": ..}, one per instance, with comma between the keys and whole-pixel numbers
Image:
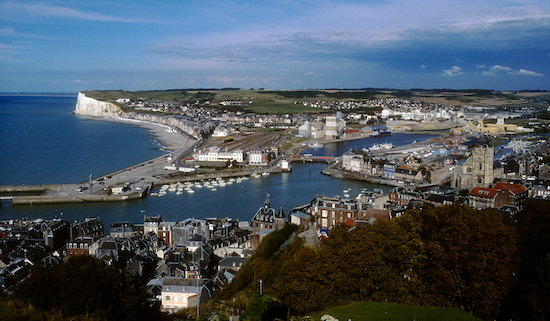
[{"x": 91, "y": 107}]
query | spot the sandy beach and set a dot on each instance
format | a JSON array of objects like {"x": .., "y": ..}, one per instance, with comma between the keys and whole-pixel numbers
[{"x": 170, "y": 138}]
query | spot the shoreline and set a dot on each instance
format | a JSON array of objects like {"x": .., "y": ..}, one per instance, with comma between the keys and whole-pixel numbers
[{"x": 169, "y": 138}]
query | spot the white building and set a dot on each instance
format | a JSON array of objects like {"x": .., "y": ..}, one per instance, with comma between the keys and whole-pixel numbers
[
  {"x": 178, "y": 293},
  {"x": 258, "y": 156},
  {"x": 335, "y": 126},
  {"x": 214, "y": 154},
  {"x": 221, "y": 131},
  {"x": 352, "y": 162},
  {"x": 305, "y": 129}
]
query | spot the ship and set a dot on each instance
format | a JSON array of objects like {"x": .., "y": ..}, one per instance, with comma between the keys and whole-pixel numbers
[
  {"x": 315, "y": 145},
  {"x": 380, "y": 133},
  {"x": 378, "y": 147}
]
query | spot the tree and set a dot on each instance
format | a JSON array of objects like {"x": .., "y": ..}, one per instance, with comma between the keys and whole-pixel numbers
[
  {"x": 264, "y": 308},
  {"x": 467, "y": 259},
  {"x": 86, "y": 286},
  {"x": 531, "y": 294}
]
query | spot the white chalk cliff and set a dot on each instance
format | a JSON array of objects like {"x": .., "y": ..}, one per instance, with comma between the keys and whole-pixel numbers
[{"x": 91, "y": 107}]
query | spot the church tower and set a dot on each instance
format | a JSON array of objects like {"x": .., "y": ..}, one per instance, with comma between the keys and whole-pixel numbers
[{"x": 482, "y": 167}]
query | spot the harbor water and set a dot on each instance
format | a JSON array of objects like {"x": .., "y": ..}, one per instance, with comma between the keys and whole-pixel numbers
[{"x": 43, "y": 142}]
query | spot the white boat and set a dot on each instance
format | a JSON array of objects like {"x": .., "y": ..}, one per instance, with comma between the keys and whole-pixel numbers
[
  {"x": 315, "y": 145},
  {"x": 179, "y": 192},
  {"x": 265, "y": 173},
  {"x": 255, "y": 175},
  {"x": 190, "y": 191},
  {"x": 213, "y": 189}
]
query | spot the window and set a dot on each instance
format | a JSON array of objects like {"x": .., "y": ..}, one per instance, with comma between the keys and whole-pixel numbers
[{"x": 168, "y": 298}]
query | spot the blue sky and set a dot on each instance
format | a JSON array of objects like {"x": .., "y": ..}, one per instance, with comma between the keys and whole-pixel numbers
[{"x": 54, "y": 46}]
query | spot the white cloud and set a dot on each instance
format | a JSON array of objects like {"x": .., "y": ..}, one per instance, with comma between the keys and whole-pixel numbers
[
  {"x": 422, "y": 66},
  {"x": 497, "y": 68},
  {"x": 15, "y": 9},
  {"x": 523, "y": 72},
  {"x": 454, "y": 71},
  {"x": 494, "y": 71},
  {"x": 481, "y": 66}
]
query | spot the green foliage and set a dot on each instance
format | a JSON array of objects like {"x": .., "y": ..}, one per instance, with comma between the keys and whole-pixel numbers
[
  {"x": 451, "y": 256},
  {"x": 264, "y": 308},
  {"x": 531, "y": 294},
  {"x": 467, "y": 258},
  {"x": 85, "y": 286},
  {"x": 374, "y": 311},
  {"x": 262, "y": 264}
]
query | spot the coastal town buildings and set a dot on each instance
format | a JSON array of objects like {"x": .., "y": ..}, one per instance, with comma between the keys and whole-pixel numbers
[
  {"x": 259, "y": 156},
  {"x": 476, "y": 171},
  {"x": 267, "y": 218},
  {"x": 484, "y": 197},
  {"x": 335, "y": 126},
  {"x": 215, "y": 154},
  {"x": 327, "y": 212}
]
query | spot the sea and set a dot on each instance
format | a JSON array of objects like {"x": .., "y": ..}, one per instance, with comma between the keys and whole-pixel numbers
[{"x": 43, "y": 142}]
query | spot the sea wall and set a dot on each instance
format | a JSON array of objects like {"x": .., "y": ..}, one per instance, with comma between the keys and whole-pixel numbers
[{"x": 90, "y": 107}]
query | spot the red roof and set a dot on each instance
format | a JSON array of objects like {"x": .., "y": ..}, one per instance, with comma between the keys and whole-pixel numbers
[
  {"x": 376, "y": 213},
  {"x": 515, "y": 189},
  {"x": 484, "y": 192}
]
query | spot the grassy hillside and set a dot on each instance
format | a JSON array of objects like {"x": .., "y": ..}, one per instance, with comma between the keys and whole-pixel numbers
[{"x": 373, "y": 311}]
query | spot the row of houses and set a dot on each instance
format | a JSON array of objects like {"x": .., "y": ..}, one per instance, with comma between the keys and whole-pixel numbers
[
  {"x": 255, "y": 156},
  {"x": 502, "y": 195},
  {"x": 409, "y": 171}
]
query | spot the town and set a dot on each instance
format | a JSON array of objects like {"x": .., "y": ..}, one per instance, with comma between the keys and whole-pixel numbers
[{"x": 482, "y": 158}]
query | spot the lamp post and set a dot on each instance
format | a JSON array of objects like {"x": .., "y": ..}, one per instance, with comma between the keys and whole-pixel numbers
[{"x": 261, "y": 285}]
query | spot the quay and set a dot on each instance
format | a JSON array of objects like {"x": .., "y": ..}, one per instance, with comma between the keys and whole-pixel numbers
[{"x": 137, "y": 180}]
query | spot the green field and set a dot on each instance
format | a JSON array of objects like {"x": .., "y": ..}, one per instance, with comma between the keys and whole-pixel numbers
[
  {"x": 374, "y": 311},
  {"x": 290, "y": 101}
]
